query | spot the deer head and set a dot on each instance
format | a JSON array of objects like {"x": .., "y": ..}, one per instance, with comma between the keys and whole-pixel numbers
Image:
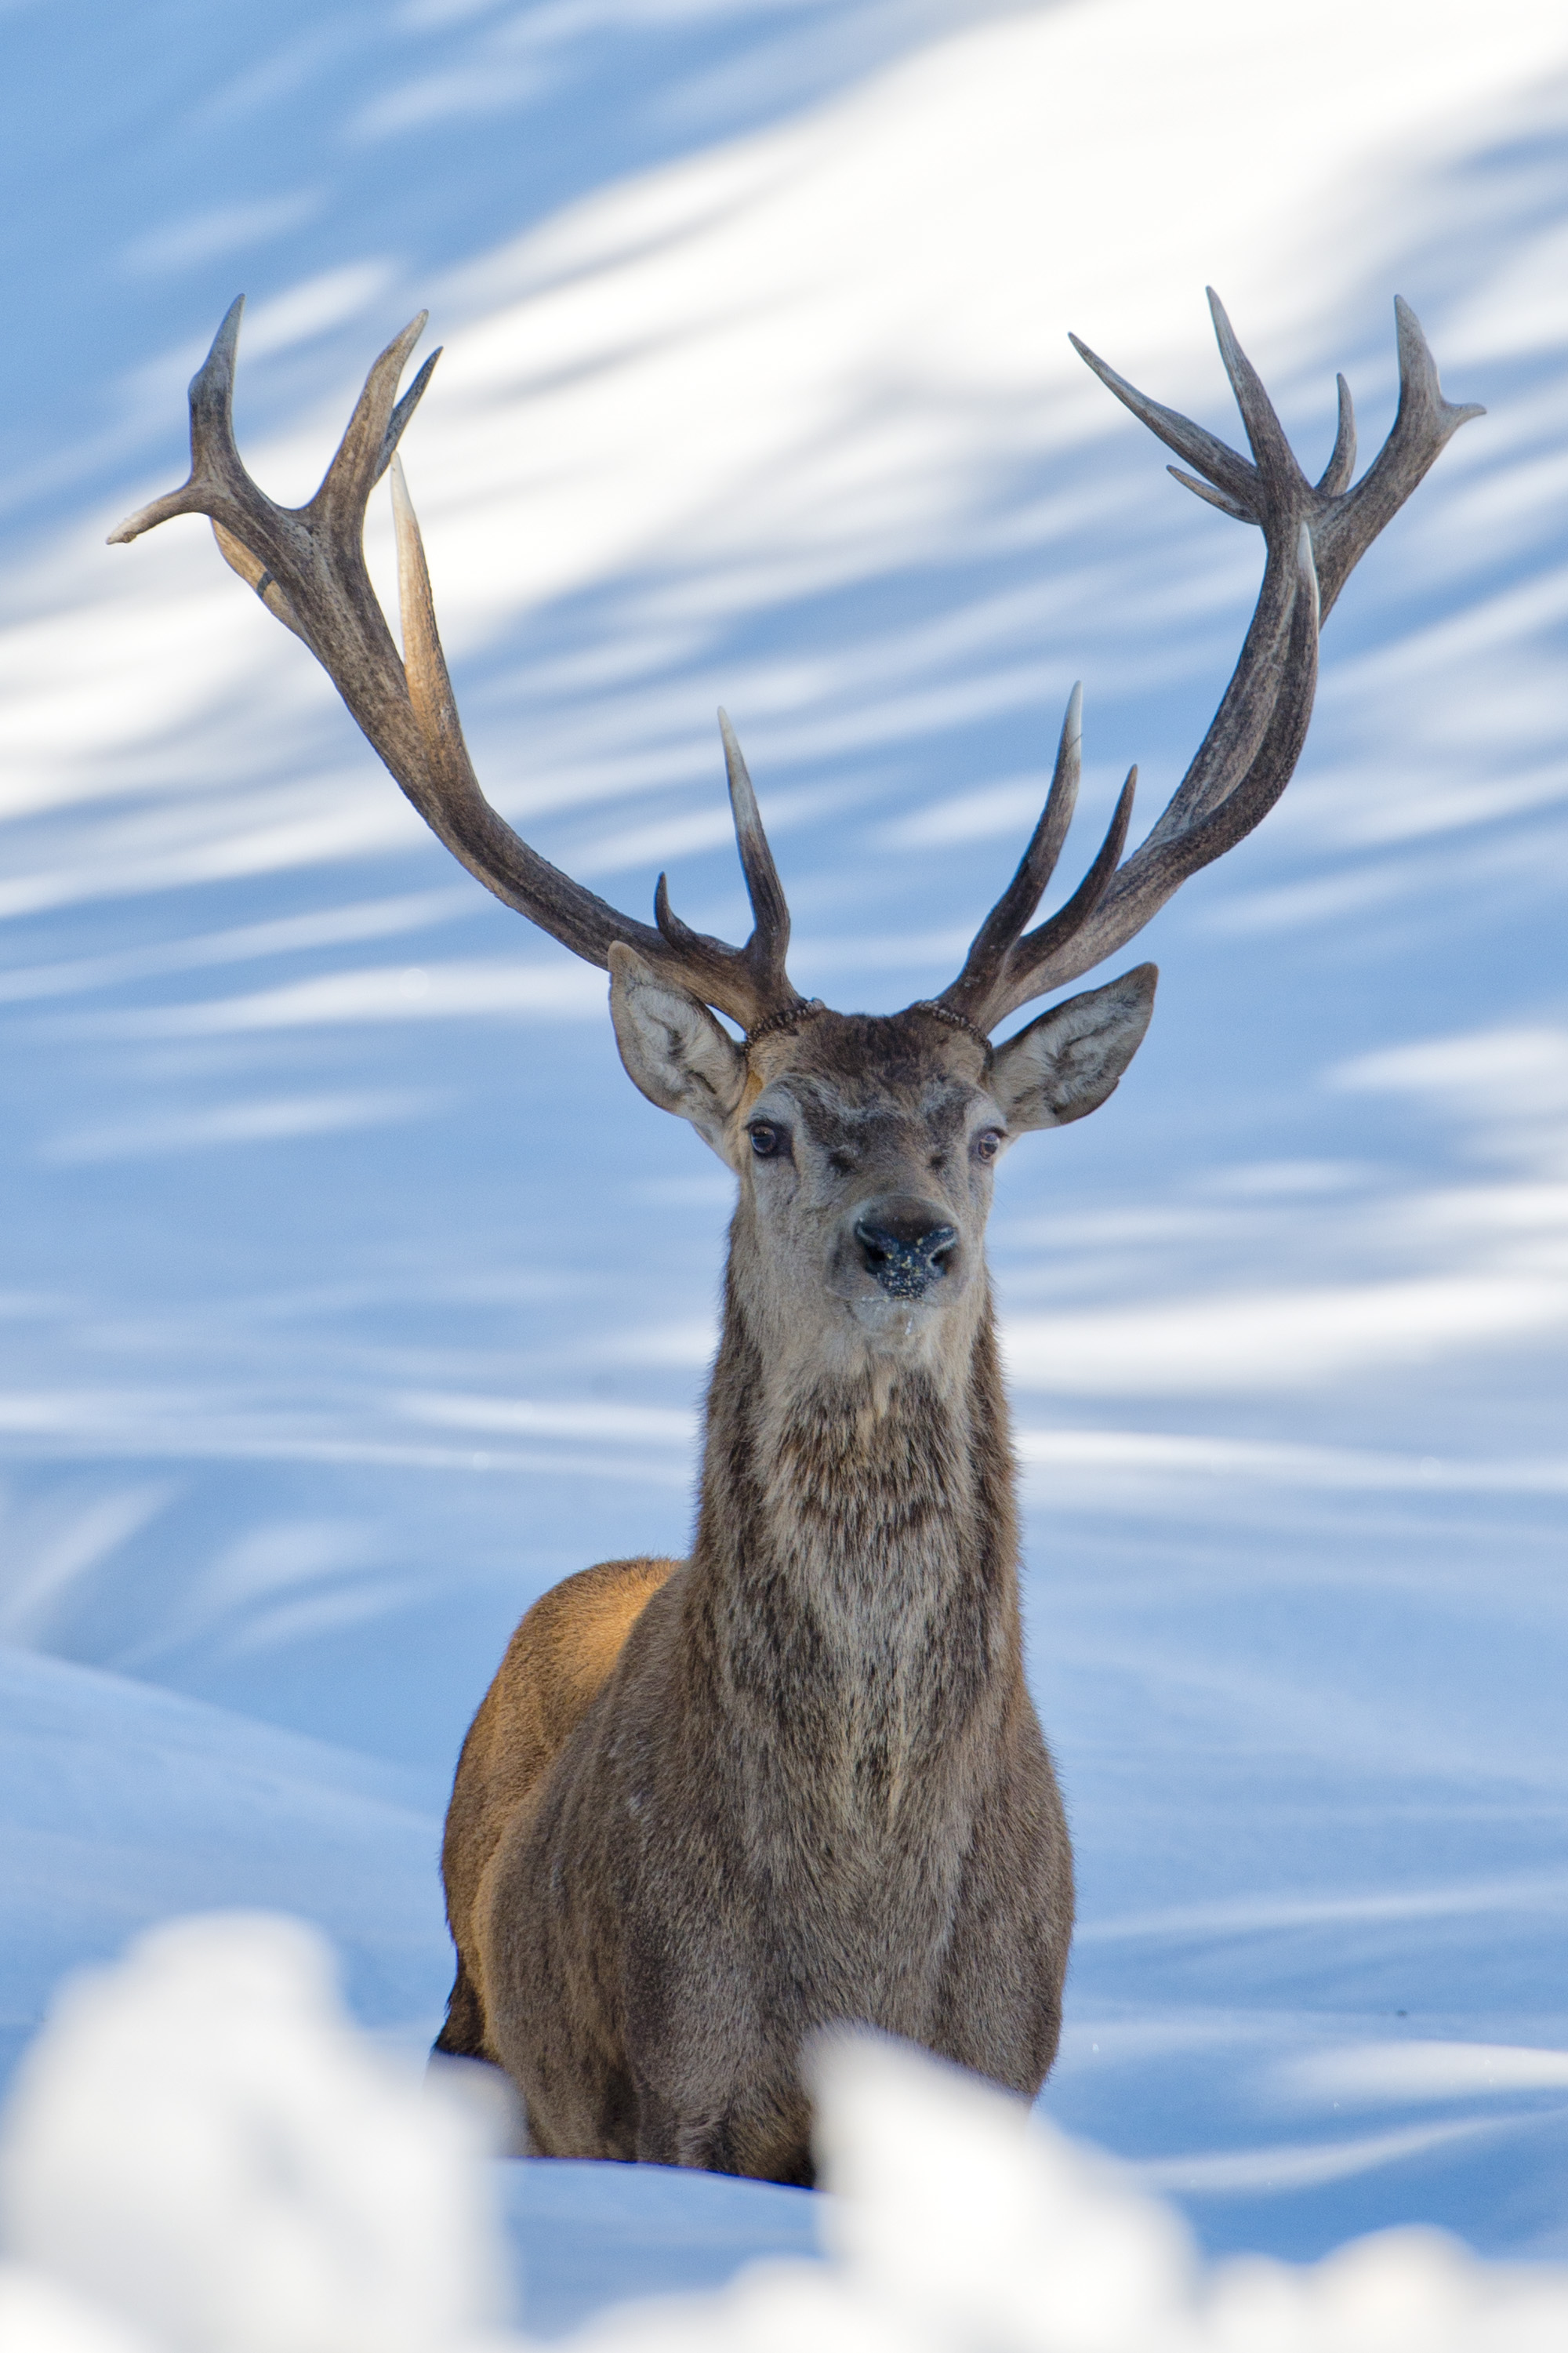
[{"x": 864, "y": 1147}]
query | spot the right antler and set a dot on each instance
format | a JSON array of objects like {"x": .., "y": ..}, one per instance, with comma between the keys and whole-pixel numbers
[
  {"x": 1315, "y": 535},
  {"x": 306, "y": 564}
]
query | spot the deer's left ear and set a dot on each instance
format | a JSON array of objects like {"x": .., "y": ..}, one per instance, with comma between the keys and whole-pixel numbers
[
  {"x": 673, "y": 1049},
  {"x": 1063, "y": 1065}
]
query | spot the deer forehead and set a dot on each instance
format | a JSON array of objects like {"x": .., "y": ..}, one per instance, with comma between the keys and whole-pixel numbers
[
  {"x": 898, "y": 1119},
  {"x": 856, "y": 1079}
]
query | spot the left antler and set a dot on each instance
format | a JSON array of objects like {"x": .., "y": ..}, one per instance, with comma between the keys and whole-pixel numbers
[{"x": 1315, "y": 535}]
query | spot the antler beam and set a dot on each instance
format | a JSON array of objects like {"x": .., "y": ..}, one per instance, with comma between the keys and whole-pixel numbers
[
  {"x": 306, "y": 564},
  {"x": 1315, "y": 535}
]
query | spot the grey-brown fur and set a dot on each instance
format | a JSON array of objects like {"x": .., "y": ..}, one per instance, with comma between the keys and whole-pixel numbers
[{"x": 812, "y": 1787}]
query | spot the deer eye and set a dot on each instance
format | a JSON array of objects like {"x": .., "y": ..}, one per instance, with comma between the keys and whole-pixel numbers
[
  {"x": 988, "y": 1144},
  {"x": 767, "y": 1142}
]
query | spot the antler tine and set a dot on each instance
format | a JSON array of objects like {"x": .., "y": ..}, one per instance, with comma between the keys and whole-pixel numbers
[
  {"x": 769, "y": 944},
  {"x": 1275, "y": 458},
  {"x": 987, "y": 992},
  {"x": 306, "y": 563},
  {"x": 216, "y": 469},
  {"x": 1241, "y": 724},
  {"x": 1336, "y": 475},
  {"x": 1314, "y": 535},
  {"x": 428, "y": 680},
  {"x": 1019, "y": 979},
  {"x": 761, "y": 960},
  {"x": 1157, "y": 869},
  {"x": 993, "y": 942},
  {"x": 1220, "y": 465},
  {"x": 371, "y": 437},
  {"x": 1423, "y": 425},
  {"x": 362, "y": 457},
  {"x": 397, "y": 423},
  {"x": 1225, "y": 504}
]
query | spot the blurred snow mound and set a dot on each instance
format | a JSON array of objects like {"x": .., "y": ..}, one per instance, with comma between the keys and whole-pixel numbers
[
  {"x": 202, "y": 2156},
  {"x": 201, "y": 2145}
]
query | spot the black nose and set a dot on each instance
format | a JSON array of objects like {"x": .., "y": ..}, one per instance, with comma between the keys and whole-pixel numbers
[{"x": 904, "y": 1247}]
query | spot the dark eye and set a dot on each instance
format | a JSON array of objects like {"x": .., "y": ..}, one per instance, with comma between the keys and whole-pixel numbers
[
  {"x": 766, "y": 1142},
  {"x": 987, "y": 1143}
]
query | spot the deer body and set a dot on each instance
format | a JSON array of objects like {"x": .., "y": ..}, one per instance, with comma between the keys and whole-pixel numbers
[
  {"x": 708, "y": 1806},
  {"x": 813, "y": 1786}
]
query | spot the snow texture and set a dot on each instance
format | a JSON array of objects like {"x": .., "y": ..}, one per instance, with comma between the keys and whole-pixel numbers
[
  {"x": 350, "y": 1295},
  {"x": 202, "y": 2156}
]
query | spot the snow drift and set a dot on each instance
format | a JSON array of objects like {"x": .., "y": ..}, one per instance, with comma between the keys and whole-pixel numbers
[{"x": 202, "y": 2156}]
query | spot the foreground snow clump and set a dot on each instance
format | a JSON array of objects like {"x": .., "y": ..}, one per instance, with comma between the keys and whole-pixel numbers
[{"x": 202, "y": 2154}]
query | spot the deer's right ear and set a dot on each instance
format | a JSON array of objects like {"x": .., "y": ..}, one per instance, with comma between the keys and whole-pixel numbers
[{"x": 674, "y": 1050}]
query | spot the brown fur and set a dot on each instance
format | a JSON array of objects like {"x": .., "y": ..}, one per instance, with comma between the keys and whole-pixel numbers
[
  {"x": 555, "y": 1664},
  {"x": 711, "y": 1806}
]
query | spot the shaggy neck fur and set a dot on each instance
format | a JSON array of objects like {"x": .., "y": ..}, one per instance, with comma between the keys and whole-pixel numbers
[{"x": 854, "y": 1584}]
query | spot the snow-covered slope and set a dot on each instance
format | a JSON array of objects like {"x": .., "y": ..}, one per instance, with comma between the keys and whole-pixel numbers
[
  {"x": 122, "y": 1805},
  {"x": 351, "y": 1295}
]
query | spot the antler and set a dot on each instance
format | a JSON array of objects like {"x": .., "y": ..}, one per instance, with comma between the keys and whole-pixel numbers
[
  {"x": 306, "y": 564},
  {"x": 1315, "y": 535}
]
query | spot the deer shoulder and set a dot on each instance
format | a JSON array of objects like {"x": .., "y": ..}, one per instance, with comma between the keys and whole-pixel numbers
[{"x": 556, "y": 1665}]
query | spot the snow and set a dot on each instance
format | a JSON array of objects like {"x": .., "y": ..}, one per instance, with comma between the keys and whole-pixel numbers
[
  {"x": 203, "y": 2156},
  {"x": 199, "y": 2143},
  {"x": 126, "y": 1805},
  {"x": 583, "y": 2234},
  {"x": 351, "y": 1295}
]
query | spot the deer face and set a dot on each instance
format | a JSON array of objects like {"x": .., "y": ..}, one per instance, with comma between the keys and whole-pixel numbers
[
  {"x": 865, "y": 1150},
  {"x": 865, "y": 1146}
]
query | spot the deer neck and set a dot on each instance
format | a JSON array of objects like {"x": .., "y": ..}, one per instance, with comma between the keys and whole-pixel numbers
[{"x": 855, "y": 1572}]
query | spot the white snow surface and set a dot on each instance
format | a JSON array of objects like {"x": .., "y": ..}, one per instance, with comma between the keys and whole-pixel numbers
[
  {"x": 351, "y": 1295},
  {"x": 202, "y": 2156}
]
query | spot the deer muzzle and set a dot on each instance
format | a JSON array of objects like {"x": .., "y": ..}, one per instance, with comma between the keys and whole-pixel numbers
[{"x": 906, "y": 1245}]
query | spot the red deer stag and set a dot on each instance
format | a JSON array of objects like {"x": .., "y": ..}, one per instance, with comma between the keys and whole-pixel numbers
[{"x": 709, "y": 1806}]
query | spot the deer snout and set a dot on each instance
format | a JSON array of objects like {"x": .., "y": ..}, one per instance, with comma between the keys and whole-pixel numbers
[{"x": 907, "y": 1245}]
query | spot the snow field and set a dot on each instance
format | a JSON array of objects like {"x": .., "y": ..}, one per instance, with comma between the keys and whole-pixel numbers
[
  {"x": 202, "y": 2156},
  {"x": 349, "y": 1295}
]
